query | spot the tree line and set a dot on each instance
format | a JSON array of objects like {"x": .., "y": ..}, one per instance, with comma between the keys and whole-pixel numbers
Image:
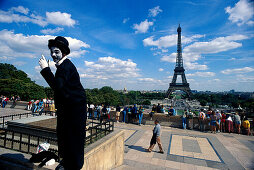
[{"x": 16, "y": 82}]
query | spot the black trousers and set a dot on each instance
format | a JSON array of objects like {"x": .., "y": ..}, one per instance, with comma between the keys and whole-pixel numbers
[{"x": 71, "y": 123}]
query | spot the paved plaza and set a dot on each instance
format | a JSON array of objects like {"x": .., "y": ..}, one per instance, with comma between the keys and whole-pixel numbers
[
  {"x": 186, "y": 149},
  {"x": 9, "y": 111},
  {"x": 183, "y": 149}
]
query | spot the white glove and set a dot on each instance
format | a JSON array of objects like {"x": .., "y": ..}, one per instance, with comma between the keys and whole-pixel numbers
[{"x": 43, "y": 62}]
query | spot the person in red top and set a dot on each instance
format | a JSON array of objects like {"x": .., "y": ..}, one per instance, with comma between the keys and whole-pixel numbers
[{"x": 223, "y": 122}]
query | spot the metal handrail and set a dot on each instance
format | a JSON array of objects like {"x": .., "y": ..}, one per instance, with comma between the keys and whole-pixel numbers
[
  {"x": 8, "y": 138},
  {"x": 3, "y": 119}
]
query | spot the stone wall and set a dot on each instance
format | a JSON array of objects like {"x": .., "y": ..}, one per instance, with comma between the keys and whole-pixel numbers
[{"x": 106, "y": 153}]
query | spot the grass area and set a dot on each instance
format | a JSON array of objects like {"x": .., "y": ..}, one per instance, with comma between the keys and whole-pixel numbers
[
  {"x": 178, "y": 96},
  {"x": 180, "y": 112}
]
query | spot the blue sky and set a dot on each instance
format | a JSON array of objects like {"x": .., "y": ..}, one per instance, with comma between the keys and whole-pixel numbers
[{"x": 132, "y": 44}]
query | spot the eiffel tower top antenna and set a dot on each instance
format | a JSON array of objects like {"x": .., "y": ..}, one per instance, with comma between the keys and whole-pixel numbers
[{"x": 179, "y": 57}]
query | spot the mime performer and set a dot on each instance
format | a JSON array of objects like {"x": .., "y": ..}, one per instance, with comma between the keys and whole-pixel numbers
[{"x": 70, "y": 102}]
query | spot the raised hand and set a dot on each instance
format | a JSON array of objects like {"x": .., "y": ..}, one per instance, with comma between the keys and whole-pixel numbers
[{"x": 43, "y": 62}]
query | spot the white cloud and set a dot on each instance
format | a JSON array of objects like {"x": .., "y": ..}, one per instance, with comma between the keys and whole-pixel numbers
[
  {"x": 215, "y": 46},
  {"x": 9, "y": 17},
  {"x": 21, "y": 14},
  {"x": 5, "y": 58},
  {"x": 244, "y": 78},
  {"x": 161, "y": 69},
  {"x": 189, "y": 61},
  {"x": 32, "y": 46},
  {"x": 216, "y": 80},
  {"x": 19, "y": 63},
  {"x": 110, "y": 68},
  {"x": 126, "y": 20},
  {"x": 146, "y": 79},
  {"x": 168, "y": 41},
  {"x": 52, "y": 31},
  {"x": 241, "y": 13},
  {"x": 237, "y": 70},
  {"x": 154, "y": 11},
  {"x": 142, "y": 27},
  {"x": 250, "y": 23},
  {"x": 192, "y": 53},
  {"x": 195, "y": 66},
  {"x": 164, "y": 50},
  {"x": 59, "y": 18},
  {"x": 201, "y": 74},
  {"x": 20, "y": 9},
  {"x": 169, "y": 58}
]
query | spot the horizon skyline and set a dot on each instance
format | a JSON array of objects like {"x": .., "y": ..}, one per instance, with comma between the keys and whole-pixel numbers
[{"x": 133, "y": 44}]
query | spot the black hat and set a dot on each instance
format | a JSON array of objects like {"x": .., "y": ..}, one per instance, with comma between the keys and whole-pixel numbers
[{"x": 61, "y": 43}]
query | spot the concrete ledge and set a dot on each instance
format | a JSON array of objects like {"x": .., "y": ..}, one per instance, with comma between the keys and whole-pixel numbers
[{"x": 106, "y": 153}]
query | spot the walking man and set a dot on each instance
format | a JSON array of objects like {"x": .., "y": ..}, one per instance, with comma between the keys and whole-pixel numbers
[
  {"x": 156, "y": 137},
  {"x": 70, "y": 102}
]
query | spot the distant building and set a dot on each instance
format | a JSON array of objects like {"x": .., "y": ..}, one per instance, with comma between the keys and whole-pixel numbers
[
  {"x": 232, "y": 91},
  {"x": 125, "y": 90}
]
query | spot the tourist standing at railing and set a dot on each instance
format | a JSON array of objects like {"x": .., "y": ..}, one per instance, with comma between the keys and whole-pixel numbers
[
  {"x": 4, "y": 101},
  {"x": 201, "y": 119},
  {"x": 229, "y": 123},
  {"x": 158, "y": 109},
  {"x": 40, "y": 105},
  {"x": 223, "y": 122},
  {"x": 99, "y": 108},
  {"x": 152, "y": 112},
  {"x": 237, "y": 122},
  {"x": 129, "y": 114},
  {"x": 70, "y": 101},
  {"x": 213, "y": 119},
  {"x": 162, "y": 109},
  {"x": 184, "y": 117},
  {"x": 29, "y": 105},
  {"x": 35, "y": 106},
  {"x": 118, "y": 109},
  {"x": 134, "y": 113},
  {"x": 90, "y": 110},
  {"x": 52, "y": 106},
  {"x": 104, "y": 112},
  {"x": 95, "y": 111},
  {"x": 47, "y": 102},
  {"x": 171, "y": 111},
  {"x": 218, "y": 115},
  {"x": 246, "y": 126},
  {"x": 1, "y": 100},
  {"x": 125, "y": 110},
  {"x": 140, "y": 114},
  {"x": 108, "y": 112},
  {"x": 44, "y": 102}
]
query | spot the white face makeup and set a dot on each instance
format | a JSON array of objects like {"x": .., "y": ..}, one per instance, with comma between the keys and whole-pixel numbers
[{"x": 56, "y": 54}]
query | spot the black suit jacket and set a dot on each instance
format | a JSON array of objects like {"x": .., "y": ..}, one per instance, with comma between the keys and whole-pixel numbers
[{"x": 66, "y": 84}]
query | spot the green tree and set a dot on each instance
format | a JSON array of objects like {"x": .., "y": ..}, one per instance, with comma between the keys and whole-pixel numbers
[
  {"x": 16, "y": 82},
  {"x": 49, "y": 92}
]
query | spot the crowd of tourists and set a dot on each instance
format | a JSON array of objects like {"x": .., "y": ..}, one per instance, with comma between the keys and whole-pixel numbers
[
  {"x": 218, "y": 121},
  {"x": 161, "y": 109},
  {"x": 41, "y": 105},
  {"x": 4, "y": 100},
  {"x": 130, "y": 114}
]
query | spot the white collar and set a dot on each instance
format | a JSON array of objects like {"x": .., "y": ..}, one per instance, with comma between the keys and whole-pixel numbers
[{"x": 61, "y": 61}]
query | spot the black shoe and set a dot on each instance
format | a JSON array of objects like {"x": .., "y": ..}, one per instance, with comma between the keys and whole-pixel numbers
[
  {"x": 59, "y": 167},
  {"x": 162, "y": 152}
]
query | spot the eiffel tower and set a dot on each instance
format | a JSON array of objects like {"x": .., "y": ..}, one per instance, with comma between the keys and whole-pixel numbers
[{"x": 179, "y": 70}]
